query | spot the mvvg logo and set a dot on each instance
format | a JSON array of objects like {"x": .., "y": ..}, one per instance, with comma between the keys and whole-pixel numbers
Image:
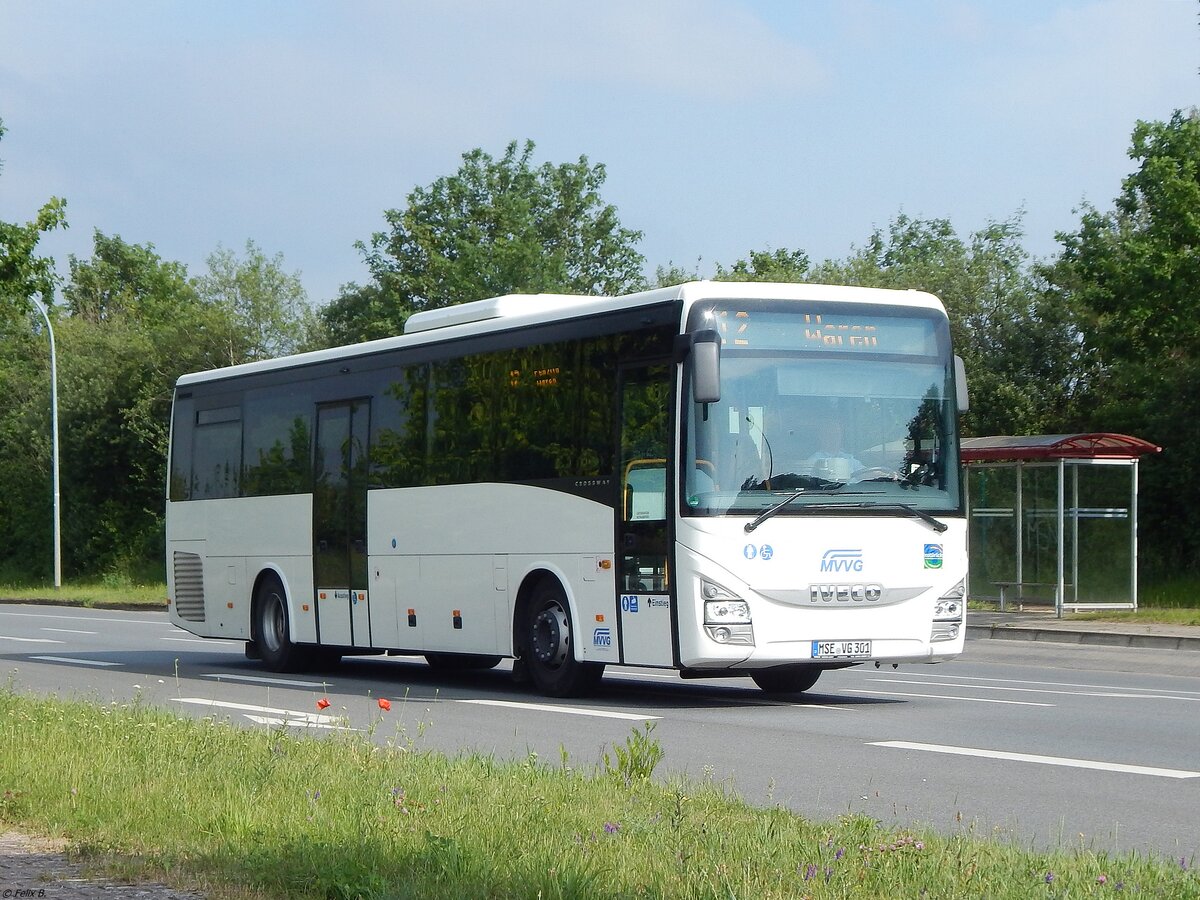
[{"x": 842, "y": 561}]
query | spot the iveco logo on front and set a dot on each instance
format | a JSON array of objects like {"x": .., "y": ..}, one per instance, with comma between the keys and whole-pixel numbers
[
  {"x": 842, "y": 561},
  {"x": 844, "y": 593}
]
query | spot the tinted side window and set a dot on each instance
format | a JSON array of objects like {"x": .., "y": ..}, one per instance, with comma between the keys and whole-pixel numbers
[
  {"x": 398, "y": 444},
  {"x": 184, "y": 418},
  {"x": 217, "y": 453},
  {"x": 278, "y": 441}
]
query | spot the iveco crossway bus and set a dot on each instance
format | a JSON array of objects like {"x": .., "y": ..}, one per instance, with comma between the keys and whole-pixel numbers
[{"x": 723, "y": 479}]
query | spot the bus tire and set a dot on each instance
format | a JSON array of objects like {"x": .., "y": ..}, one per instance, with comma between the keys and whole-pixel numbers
[
  {"x": 786, "y": 679},
  {"x": 548, "y": 645},
  {"x": 460, "y": 662},
  {"x": 275, "y": 647}
]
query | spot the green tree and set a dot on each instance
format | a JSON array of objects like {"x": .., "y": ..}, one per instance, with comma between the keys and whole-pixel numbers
[
  {"x": 1134, "y": 274},
  {"x": 265, "y": 309},
  {"x": 26, "y": 521},
  {"x": 768, "y": 265},
  {"x": 25, "y": 455},
  {"x": 24, "y": 274},
  {"x": 495, "y": 226},
  {"x": 360, "y": 313}
]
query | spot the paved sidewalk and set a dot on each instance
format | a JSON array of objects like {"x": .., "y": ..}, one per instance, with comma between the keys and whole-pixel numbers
[
  {"x": 39, "y": 869},
  {"x": 1044, "y": 626}
]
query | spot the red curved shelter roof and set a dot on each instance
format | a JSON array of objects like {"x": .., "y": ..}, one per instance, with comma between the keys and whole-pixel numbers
[{"x": 1098, "y": 445}]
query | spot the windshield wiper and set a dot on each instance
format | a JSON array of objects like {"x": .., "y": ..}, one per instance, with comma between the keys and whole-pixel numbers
[
  {"x": 767, "y": 513},
  {"x": 925, "y": 517},
  {"x": 831, "y": 491}
]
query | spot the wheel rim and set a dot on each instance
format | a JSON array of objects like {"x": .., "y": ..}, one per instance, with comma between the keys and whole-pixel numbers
[
  {"x": 273, "y": 623},
  {"x": 550, "y": 637}
]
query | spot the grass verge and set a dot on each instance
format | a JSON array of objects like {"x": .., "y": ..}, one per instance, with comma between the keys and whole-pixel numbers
[
  {"x": 1143, "y": 616},
  {"x": 97, "y": 594},
  {"x": 253, "y": 812}
]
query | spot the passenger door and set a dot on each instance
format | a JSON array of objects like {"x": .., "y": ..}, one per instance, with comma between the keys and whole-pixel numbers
[
  {"x": 340, "y": 524},
  {"x": 647, "y": 497}
]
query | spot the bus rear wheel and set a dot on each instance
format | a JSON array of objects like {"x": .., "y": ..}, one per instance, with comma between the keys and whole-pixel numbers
[
  {"x": 274, "y": 645},
  {"x": 549, "y": 645},
  {"x": 786, "y": 679}
]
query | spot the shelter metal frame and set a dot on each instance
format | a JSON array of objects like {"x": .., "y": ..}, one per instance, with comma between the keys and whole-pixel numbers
[{"x": 1060, "y": 452}]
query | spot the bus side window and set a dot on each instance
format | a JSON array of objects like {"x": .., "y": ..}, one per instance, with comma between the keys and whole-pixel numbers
[
  {"x": 217, "y": 453},
  {"x": 183, "y": 423}
]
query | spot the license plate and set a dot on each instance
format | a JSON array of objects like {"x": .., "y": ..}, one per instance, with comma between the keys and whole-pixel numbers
[{"x": 841, "y": 649}]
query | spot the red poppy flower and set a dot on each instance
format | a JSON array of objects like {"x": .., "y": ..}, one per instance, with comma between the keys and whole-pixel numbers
[
  {"x": 323, "y": 703},
  {"x": 385, "y": 704}
]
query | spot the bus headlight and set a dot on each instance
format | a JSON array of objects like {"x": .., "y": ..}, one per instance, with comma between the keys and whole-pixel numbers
[
  {"x": 951, "y": 604},
  {"x": 723, "y": 608},
  {"x": 948, "y": 614},
  {"x": 727, "y": 612},
  {"x": 726, "y": 616}
]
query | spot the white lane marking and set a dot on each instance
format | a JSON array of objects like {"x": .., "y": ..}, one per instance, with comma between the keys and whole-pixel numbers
[
  {"x": 727, "y": 701},
  {"x": 1023, "y": 690},
  {"x": 651, "y": 675},
  {"x": 5, "y": 637},
  {"x": 77, "y": 662},
  {"x": 276, "y": 720},
  {"x": 213, "y": 641},
  {"x": 261, "y": 679},
  {"x": 271, "y": 714},
  {"x": 945, "y": 697},
  {"x": 109, "y": 621},
  {"x": 69, "y": 631},
  {"x": 1042, "y": 760},
  {"x": 1091, "y": 687},
  {"x": 569, "y": 710}
]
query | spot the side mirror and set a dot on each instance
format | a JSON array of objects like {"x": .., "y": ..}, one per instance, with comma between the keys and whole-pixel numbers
[
  {"x": 960, "y": 384},
  {"x": 706, "y": 367}
]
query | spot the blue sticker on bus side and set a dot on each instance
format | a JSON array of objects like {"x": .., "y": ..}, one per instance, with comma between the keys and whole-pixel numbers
[
  {"x": 749, "y": 551},
  {"x": 629, "y": 603},
  {"x": 602, "y": 637}
]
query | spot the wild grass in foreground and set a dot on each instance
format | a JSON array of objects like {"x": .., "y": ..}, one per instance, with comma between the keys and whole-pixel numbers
[{"x": 251, "y": 812}]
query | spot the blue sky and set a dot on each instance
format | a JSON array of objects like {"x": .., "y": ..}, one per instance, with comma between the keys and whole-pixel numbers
[{"x": 725, "y": 125}]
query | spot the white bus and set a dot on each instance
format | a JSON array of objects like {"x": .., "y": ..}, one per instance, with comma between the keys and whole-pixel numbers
[{"x": 724, "y": 479}]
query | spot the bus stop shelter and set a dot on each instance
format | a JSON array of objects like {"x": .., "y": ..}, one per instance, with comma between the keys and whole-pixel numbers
[{"x": 1052, "y": 519}]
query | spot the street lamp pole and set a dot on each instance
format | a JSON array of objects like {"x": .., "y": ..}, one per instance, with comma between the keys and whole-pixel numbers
[{"x": 41, "y": 307}]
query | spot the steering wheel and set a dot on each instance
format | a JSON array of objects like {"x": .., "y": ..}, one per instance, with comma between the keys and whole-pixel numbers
[{"x": 876, "y": 473}]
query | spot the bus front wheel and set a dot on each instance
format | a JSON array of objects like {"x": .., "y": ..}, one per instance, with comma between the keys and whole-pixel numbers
[
  {"x": 549, "y": 645},
  {"x": 274, "y": 645},
  {"x": 786, "y": 679}
]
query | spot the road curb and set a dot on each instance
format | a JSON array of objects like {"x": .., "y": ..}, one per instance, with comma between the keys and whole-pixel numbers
[{"x": 1093, "y": 638}]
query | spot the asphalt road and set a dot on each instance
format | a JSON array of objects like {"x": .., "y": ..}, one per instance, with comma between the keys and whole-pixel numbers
[{"x": 1048, "y": 745}]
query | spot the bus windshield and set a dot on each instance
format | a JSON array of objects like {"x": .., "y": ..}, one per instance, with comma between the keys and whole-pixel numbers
[{"x": 835, "y": 407}]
